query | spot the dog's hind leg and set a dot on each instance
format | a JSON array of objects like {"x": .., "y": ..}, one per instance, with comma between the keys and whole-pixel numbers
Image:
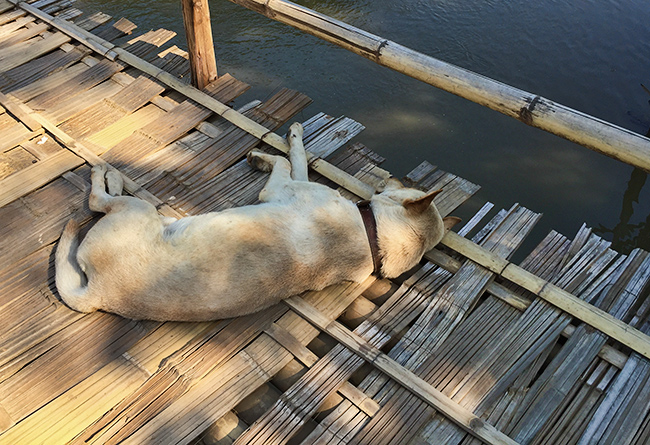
[
  {"x": 99, "y": 200},
  {"x": 114, "y": 182},
  {"x": 280, "y": 173},
  {"x": 297, "y": 153}
]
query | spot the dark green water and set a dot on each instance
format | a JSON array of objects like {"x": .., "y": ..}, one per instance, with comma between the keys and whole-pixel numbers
[{"x": 591, "y": 55}]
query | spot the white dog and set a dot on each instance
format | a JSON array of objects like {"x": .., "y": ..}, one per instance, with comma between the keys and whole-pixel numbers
[{"x": 303, "y": 236}]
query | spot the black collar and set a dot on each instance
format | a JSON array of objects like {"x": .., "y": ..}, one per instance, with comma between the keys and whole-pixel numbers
[{"x": 371, "y": 230}]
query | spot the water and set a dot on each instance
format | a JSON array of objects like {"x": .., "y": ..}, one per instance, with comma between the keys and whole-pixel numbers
[{"x": 591, "y": 55}]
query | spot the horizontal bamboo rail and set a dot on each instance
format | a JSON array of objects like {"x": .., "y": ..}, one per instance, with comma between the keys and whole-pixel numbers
[
  {"x": 591, "y": 132},
  {"x": 597, "y": 318}
]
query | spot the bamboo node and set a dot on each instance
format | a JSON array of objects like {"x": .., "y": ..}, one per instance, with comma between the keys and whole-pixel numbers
[
  {"x": 526, "y": 113},
  {"x": 476, "y": 424}
]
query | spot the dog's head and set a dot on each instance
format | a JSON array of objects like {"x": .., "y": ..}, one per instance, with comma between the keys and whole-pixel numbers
[{"x": 408, "y": 225}]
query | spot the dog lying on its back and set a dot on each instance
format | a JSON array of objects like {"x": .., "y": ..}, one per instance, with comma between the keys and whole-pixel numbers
[{"x": 303, "y": 236}]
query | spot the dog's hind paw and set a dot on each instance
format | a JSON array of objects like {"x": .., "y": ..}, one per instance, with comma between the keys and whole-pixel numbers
[
  {"x": 114, "y": 182},
  {"x": 295, "y": 130},
  {"x": 259, "y": 160},
  {"x": 99, "y": 169}
]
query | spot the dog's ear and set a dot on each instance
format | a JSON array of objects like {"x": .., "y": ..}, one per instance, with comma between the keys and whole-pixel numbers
[
  {"x": 421, "y": 204},
  {"x": 450, "y": 221}
]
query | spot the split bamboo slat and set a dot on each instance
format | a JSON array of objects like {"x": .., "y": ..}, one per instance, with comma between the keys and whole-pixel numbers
[
  {"x": 535, "y": 321},
  {"x": 466, "y": 348},
  {"x": 578, "y": 353}
]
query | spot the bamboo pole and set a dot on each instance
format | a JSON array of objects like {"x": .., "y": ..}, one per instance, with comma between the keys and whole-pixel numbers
[
  {"x": 596, "y": 134},
  {"x": 591, "y": 315},
  {"x": 196, "y": 20}
]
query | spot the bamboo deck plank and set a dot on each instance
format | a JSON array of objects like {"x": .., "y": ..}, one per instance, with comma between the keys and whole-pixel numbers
[
  {"x": 14, "y": 160},
  {"x": 208, "y": 193},
  {"x": 36, "y": 175},
  {"x": 220, "y": 375},
  {"x": 70, "y": 14},
  {"x": 5, "y": 6},
  {"x": 354, "y": 158},
  {"x": 625, "y": 405},
  {"x": 8, "y": 16},
  {"x": 108, "y": 111},
  {"x": 75, "y": 85},
  {"x": 115, "y": 133},
  {"x": 29, "y": 31},
  {"x": 175, "y": 63},
  {"x": 145, "y": 45},
  {"x": 172, "y": 125},
  {"x": 191, "y": 363},
  {"x": 574, "y": 359},
  {"x": 201, "y": 170},
  {"x": 120, "y": 28},
  {"x": 324, "y": 143},
  {"x": 47, "y": 209},
  {"x": 38, "y": 68},
  {"x": 539, "y": 317},
  {"x": 476, "y": 343},
  {"x": 188, "y": 176},
  {"x": 93, "y": 21},
  {"x": 70, "y": 106},
  {"x": 53, "y": 373},
  {"x": 23, "y": 53},
  {"x": 48, "y": 83},
  {"x": 27, "y": 180},
  {"x": 13, "y": 133},
  {"x": 7, "y": 29},
  {"x": 54, "y": 7}
]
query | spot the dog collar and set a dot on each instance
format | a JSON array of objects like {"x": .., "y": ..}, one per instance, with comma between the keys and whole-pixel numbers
[{"x": 370, "y": 224}]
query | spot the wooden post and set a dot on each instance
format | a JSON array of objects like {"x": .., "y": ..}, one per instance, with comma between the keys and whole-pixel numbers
[{"x": 196, "y": 19}]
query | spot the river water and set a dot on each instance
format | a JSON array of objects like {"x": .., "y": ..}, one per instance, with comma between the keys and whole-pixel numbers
[{"x": 591, "y": 55}]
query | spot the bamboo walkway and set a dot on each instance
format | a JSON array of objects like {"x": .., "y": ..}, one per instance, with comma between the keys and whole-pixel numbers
[{"x": 453, "y": 352}]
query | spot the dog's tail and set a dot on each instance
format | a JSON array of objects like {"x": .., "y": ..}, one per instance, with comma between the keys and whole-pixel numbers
[{"x": 70, "y": 279}]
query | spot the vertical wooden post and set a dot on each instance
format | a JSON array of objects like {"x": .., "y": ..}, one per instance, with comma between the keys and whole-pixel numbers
[{"x": 196, "y": 18}]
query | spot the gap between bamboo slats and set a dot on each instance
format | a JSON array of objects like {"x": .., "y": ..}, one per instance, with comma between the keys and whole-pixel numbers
[{"x": 597, "y": 318}]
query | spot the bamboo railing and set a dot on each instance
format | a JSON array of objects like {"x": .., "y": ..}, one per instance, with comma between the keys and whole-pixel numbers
[{"x": 588, "y": 131}]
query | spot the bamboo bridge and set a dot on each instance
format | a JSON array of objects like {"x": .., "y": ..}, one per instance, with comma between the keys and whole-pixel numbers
[{"x": 466, "y": 348}]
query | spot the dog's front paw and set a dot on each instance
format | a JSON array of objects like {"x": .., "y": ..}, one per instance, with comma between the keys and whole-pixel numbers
[
  {"x": 259, "y": 160},
  {"x": 295, "y": 130}
]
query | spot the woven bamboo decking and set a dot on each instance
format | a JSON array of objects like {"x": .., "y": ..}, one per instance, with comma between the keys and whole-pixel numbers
[{"x": 451, "y": 353}]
